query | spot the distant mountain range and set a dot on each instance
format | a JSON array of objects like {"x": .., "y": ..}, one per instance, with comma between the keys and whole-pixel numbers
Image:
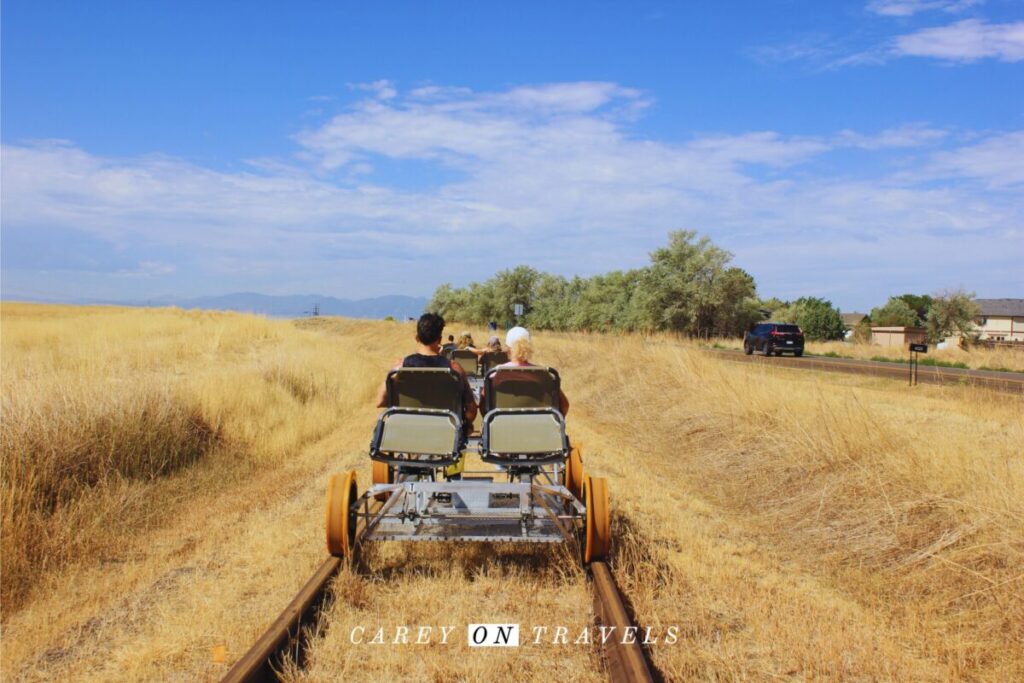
[{"x": 288, "y": 306}]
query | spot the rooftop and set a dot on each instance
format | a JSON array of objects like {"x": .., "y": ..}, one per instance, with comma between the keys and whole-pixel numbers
[{"x": 1001, "y": 307}]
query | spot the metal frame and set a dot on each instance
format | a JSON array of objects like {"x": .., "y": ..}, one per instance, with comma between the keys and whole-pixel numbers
[
  {"x": 474, "y": 510},
  {"x": 520, "y": 499},
  {"x": 531, "y": 506}
]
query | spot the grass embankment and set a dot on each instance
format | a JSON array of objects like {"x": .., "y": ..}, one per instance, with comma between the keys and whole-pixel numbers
[
  {"x": 806, "y": 525},
  {"x": 1001, "y": 359},
  {"x": 798, "y": 528},
  {"x": 99, "y": 404}
]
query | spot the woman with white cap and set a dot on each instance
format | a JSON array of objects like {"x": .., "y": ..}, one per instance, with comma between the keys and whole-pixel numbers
[{"x": 520, "y": 348}]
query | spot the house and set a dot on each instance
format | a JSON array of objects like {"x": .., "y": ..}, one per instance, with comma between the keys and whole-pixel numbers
[
  {"x": 1000, "y": 319},
  {"x": 898, "y": 336},
  {"x": 850, "y": 322}
]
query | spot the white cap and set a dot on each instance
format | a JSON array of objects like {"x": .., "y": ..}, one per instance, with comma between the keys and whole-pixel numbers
[{"x": 515, "y": 334}]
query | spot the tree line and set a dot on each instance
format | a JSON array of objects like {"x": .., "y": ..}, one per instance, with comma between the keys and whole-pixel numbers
[{"x": 689, "y": 288}]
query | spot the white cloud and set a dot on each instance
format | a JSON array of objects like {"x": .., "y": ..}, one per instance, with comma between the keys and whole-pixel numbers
[
  {"x": 906, "y": 8},
  {"x": 910, "y": 135},
  {"x": 965, "y": 41},
  {"x": 452, "y": 125},
  {"x": 812, "y": 48},
  {"x": 553, "y": 175},
  {"x": 383, "y": 89},
  {"x": 997, "y": 161}
]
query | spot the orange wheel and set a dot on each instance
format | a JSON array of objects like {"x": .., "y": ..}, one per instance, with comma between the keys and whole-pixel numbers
[
  {"x": 342, "y": 495},
  {"x": 574, "y": 473},
  {"x": 382, "y": 474},
  {"x": 597, "y": 534}
]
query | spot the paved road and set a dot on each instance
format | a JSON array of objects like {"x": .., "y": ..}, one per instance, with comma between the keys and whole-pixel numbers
[{"x": 1001, "y": 381}]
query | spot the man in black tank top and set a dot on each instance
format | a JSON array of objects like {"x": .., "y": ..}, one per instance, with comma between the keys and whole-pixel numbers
[
  {"x": 421, "y": 360},
  {"x": 428, "y": 355}
]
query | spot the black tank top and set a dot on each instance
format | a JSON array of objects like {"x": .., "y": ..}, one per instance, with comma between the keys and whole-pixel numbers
[{"x": 419, "y": 360}]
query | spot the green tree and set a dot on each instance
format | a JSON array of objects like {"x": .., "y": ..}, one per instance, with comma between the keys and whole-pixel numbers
[
  {"x": 451, "y": 303},
  {"x": 677, "y": 291},
  {"x": 769, "y": 306},
  {"x": 551, "y": 307},
  {"x": 510, "y": 287},
  {"x": 482, "y": 304},
  {"x": 921, "y": 303},
  {"x": 952, "y": 312},
  {"x": 606, "y": 302},
  {"x": 737, "y": 307},
  {"x": 895, "y": 313},
  {"x": 818, "y": 318},
  {"x": 787, "y": 313}
]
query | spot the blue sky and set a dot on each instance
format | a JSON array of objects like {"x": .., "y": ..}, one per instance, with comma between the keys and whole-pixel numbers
[{"x": 852, "y": 150}]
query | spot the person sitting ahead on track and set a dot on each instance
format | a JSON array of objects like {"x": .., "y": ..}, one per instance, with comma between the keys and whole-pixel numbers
[
  {"x": 520, "y": 348},
  {"x": 466, "y": 344},
  {"x": 450, "y": 346},
  {"x": 428, "y": 355}
]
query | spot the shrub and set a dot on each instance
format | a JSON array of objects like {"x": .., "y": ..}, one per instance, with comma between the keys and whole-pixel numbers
[{"x": 59, "y": 446}]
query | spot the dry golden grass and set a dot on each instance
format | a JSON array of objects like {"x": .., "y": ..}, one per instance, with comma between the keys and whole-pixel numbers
[
  {"x": 977, "y": 358},
  {"x": 98, "y": 402},
  {"x": 791, "y": 523},
  {"x": 831, "y": 527}
]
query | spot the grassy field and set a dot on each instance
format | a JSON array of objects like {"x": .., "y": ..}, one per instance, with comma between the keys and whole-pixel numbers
[
  {"x": 163, "y": 477},
  {"x": 1002, "y": 359}
]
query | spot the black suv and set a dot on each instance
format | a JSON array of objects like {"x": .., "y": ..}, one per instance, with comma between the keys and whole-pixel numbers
[{"x": 777, "y": 338}]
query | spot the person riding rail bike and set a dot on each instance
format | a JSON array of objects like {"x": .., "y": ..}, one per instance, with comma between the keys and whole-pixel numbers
[
  {"x": 428, "y": 355},
  {"x": 520, "y": 348}
]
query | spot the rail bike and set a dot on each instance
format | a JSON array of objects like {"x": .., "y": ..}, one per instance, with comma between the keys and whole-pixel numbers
[{"x": 532, "y": 487}]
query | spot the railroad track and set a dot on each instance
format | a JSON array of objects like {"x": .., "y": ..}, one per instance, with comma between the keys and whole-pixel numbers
[
  {"x": 286, "y": 636},
  {"x": 1010, "y": 382}
]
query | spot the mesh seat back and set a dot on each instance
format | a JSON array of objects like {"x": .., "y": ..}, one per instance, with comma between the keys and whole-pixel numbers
[
  {"x": 526, "y": 387},
  {"x": 467, "y": 359},
  {"x": 423, "y": 434},
  {"x": 438, "y": 388},
  {"x": 532, "y": 436},
  {"x": 492, "y": 359}
]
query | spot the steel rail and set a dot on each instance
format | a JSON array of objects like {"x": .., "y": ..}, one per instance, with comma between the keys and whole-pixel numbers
[
  {"x": 285, "y": 633},
  {"x": 627, "y": 662},
  {"x": 258, "y": 663}
]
